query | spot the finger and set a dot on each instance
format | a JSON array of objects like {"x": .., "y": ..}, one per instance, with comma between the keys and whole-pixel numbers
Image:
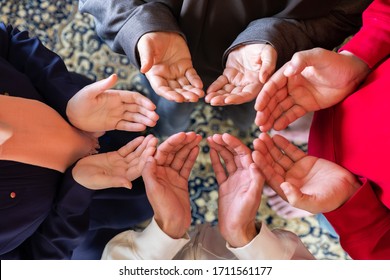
[
  {"x": 182, "y": 155},
  {"x": 149, "y": 174},
  {"x": 170, "y": 94},
  {"x": 149, "y": 140},
  {"x": 166, "y": 150},
  {"x": 217, "y": 85},
  {"x": 189, "y": 163},
  {"x": 98, "y": 87},
  {"x": 298, "y": 199},
  {"x": 268, "y": 65},
  {"x": 273, "y": 174},
  {"x": 140, "y": 118},
  {"x": 242, "y": 154},
  {"x": 290, "y": 150},
  {"x": 277, "y": 153},
  {"x": 218, "y": 168},
  {"x": 189, "y": 93},
  {"x": 131, "y": 127},
  {"x": 300, "y": 61},
  {"x": 264, "y": 120},
  {"x": 151, "y": 147},
  {"x": 289, "y": 116},
  {"x": 195, "y": 80},
  {"x": 218, "y": 145},
  {"x": 182, "y": 86},
  {"x": 146, "y": 53},
  {"x": 135, "y": 108},
  {"x": 275, "y": 84},
  {"x": 257, "y": 181},
  {"x": 242, "y": 97},
  {"x": 131, "y": 97},
  {"x": 218, "y": 99},
  {"x": 162, "y": 88},
  {"x": 131, "y": 146}
]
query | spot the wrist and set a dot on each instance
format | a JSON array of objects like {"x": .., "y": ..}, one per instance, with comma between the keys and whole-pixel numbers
[
  {"x": 171, "y": 228},
  {"x": 243, "y": 237},
  {"x": 359, "y": 66}
]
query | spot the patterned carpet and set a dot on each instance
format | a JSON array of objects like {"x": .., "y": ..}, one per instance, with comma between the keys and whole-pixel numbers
[{"x": 64, "y": 30}]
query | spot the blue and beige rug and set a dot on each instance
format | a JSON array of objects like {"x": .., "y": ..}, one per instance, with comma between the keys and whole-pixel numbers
[{"x": 64, "y": 30}]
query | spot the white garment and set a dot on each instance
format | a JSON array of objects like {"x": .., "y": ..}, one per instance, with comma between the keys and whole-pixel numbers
[{"x": 204, "y": 242}]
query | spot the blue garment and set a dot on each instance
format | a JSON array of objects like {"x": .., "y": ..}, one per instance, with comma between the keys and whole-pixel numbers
[{"x": 45, "y": 214}]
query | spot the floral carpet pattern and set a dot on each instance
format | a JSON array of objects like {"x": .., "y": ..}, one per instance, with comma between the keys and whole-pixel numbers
[{"x": 71, "y": 35}]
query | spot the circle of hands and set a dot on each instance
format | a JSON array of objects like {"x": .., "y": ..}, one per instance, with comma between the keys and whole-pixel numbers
[{"x": 306, "y": 182}]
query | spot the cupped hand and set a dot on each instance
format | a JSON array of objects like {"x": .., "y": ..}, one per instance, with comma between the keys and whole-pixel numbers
[
  {"x": 247, "y": 69},
  {"x": 240, "y": 187},
  {"x": 115, "y": 169},
  {"x": 312, "y": 80},
  {"x": 306, "y": 182},
  {"x": 166, "y": 62},
  {"x": 166, "y": 181}
]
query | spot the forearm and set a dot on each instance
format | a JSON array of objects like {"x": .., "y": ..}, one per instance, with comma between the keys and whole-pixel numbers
[{"x": 122, "y": 23}]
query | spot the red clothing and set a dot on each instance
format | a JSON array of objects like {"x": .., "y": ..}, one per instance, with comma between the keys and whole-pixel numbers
[
  {"x": 372, "y": 42},
  {"x": 356, "y": 134}
]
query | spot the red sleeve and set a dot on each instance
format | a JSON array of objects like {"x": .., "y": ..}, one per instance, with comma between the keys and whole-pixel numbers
[
  {"x": 363, "y": 224},
  {"x": 372, "y": 42}
]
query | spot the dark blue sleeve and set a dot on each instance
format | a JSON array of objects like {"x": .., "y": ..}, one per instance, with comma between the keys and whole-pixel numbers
[
  {"x": 65, "y": 226},
  {"x": 45, "y": 69}
]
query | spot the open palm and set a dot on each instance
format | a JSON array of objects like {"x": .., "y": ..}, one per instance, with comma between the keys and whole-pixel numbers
[
  {"x": 312, "y": 80},
  {"x": 247, "y": 69},
  {"x": 309, "y": 183},
  {"x": 98, "y": 108},
  {"x": 166, "y": 182},
  {"x": 167, "y": 64},
  {"x": 240, "y": 186}
]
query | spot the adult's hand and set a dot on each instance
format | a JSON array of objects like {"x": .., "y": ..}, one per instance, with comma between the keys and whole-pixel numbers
[
  {"x": 306, "y": 182},
  {"x": 166, "y": 182},
  {"x": 166, "y": 62},
  {"x": 247, "y": 68},
  {"x": 240, "y": 187},
  {"x": 312, "y": 80}
]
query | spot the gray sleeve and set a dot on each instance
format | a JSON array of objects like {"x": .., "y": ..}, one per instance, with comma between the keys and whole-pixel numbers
[
  {"x": 121, "y": 23},
  {"x": 288, "y": 36}
]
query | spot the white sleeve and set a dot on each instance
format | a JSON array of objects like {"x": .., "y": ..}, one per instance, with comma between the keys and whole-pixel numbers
[
  {"x": 272, "y": 245},
  {"x": 150, "y": 244}
]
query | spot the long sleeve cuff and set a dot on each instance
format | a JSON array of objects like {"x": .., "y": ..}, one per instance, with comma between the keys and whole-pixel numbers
[
  {"x": 272, "y": 245},
  {"x": 361, "y": 217},
  {"x": 150, "y": 244}
]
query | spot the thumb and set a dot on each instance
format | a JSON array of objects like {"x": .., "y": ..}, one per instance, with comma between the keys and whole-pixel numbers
[
  {"x": 257, "y": 179},
  {"x": 268, "y": 58},
  {"x": 297, "y": 198},
  {"x": 149, "y": 171},
  {"x": 303, "y": 59},
  {"x": 145, "y": 51},
  {"x": 98, "y": 87}
]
